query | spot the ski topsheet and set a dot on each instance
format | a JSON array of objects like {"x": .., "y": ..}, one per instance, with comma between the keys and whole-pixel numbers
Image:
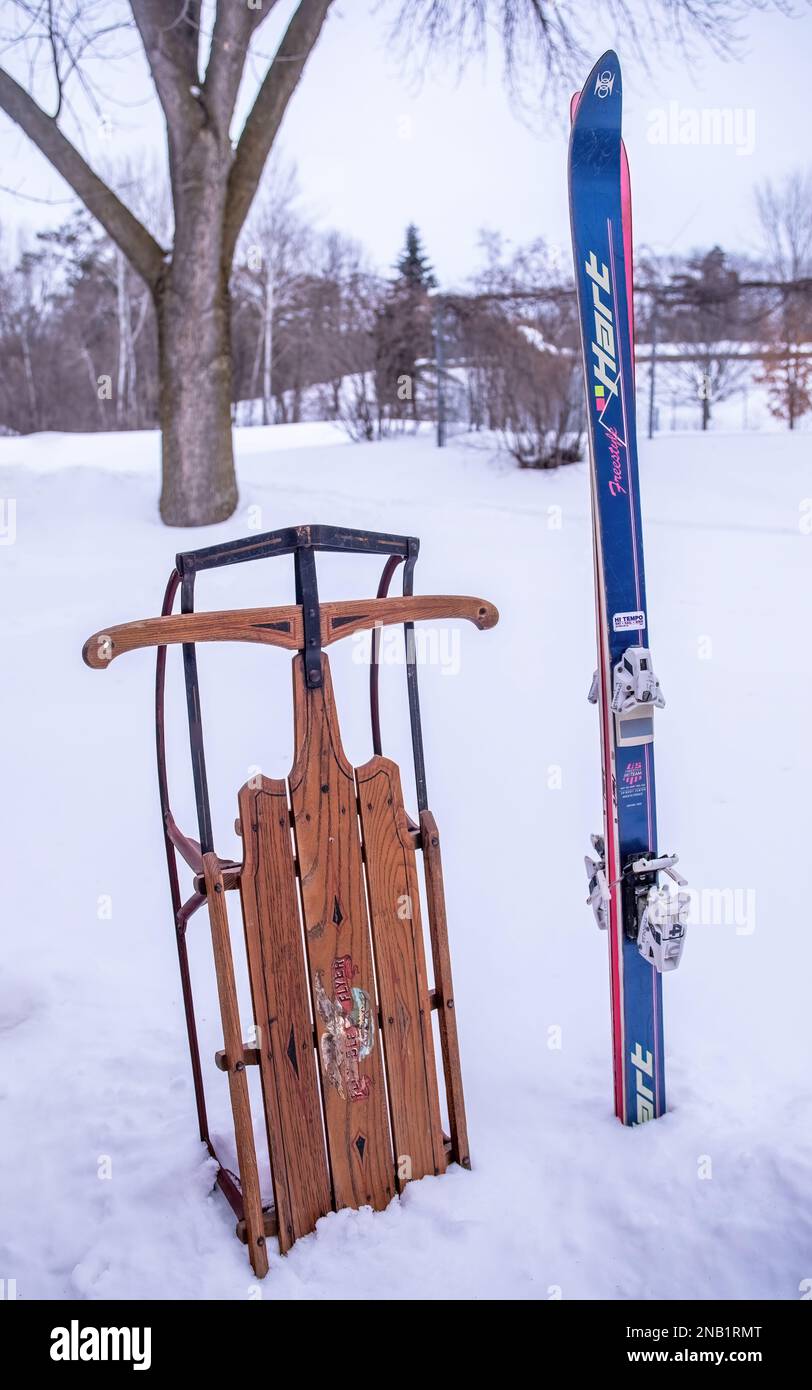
[{"x": 600, "y": 211}]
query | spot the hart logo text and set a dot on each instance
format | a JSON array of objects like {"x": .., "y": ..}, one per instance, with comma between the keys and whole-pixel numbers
[
  {"x": 604, "y": 368},
  {"x": 643, "y": 1064}
]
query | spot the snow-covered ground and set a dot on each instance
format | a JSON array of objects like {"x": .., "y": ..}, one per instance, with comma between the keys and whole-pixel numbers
[{"x": 104, "y": 1190}]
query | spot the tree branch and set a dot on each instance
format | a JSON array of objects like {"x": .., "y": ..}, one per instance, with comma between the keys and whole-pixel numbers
[
  {"x": 266, "y": 115},
  {"x": 137, "y": 244},
  {"x": 234, "y": 27},
  {"x": 52, "y": 40},
  {"x": 171, "y": 42}
]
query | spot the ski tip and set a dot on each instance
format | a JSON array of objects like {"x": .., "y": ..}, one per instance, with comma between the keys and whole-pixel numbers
[
  {"x": 609, "y": 60},
  {"x": 598, "y": 104},
  {"x": 605, "y": 72}
]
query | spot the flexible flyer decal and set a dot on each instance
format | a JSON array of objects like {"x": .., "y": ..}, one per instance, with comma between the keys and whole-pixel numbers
[
  {"x": 349, "y": 1034},
  {"x": 628, "y": 622}
]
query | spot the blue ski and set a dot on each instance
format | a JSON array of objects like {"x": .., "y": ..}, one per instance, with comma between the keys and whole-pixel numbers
[{"x": 645, "y": 921}]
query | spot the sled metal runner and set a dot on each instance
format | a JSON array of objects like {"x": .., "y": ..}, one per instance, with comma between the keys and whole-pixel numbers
[{"x": 330, "y": 898}]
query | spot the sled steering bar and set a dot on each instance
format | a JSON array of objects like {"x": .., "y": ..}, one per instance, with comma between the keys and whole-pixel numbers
[{"x": 283, "y": 627}]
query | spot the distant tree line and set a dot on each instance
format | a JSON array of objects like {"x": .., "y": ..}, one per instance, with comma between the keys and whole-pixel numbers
[{"x": 316, "y": 332}]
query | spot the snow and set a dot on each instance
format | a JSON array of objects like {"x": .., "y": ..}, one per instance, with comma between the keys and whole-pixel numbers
[{"x": 709, "y": 1202}]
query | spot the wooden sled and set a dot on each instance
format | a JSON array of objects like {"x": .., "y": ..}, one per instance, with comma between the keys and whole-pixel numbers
[{"x": 329, "y": 889}]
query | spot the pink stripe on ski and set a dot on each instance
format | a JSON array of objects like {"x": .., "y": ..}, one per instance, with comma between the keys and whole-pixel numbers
[
  {"x": 649, "y": 821},
  {"x": 626, "y": 217},
  {"x": 628, "y": 254}
]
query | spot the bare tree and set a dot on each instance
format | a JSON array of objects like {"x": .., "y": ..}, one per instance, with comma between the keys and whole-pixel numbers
[
  {"x": 518, "y": 337},
  {"x": 788, "y": 382},
  {"x": 22, "y": 312},
  {"x": 555, "y": 39},
  {"x": 78, "y": 347},
  {"x": 213, "y": 183},
  {"x": 142, "y": 182},
  {"x": 55, "y": 338},
  {"x": 707, "y": 318},
  {"x": 354, "y": 349},
  {"x": 343, "y": 293},
  {"x": 785, "y": 213},
  {"x": 272, "y": 257}
]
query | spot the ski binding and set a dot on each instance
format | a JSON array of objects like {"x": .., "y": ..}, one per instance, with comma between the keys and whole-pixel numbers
[
  {"x": 636, "y": 694},
  {"x": 635, "y": 682},
  {"x": 655, "y": 916}
]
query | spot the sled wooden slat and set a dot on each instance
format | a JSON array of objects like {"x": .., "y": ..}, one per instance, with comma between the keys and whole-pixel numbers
[
  {"x": 339, "y": 951},
  {"x": 276, "y": 970},
  {"x": 444, "y": 988},
  {"x": 397, "y": 934},
  {"x": 237, "y": 1079}
]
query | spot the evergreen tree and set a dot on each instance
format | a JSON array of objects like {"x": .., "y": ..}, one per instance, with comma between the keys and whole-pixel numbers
[
  {"x": 413, "y": 266},
  {"x": 403, "y": 338}
]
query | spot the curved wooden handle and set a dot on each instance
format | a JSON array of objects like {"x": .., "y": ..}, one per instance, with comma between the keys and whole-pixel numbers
[
  {"x": 355, "y": 615},
  {"x": 282, "y": 627},
  {"x": 279, "y": 627}
]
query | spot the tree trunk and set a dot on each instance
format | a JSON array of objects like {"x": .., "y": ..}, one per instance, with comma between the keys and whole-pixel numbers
[
  {"x": 194, "y": 353},
  {"x": 30, "y": 383},
  {"x": 706, "y": 402},
  {"x": 193, "y": 307},
  {"x": 267, "y": 351}
]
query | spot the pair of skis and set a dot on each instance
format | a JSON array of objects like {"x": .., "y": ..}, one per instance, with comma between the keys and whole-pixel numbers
[{"x": 643, "y": 916}]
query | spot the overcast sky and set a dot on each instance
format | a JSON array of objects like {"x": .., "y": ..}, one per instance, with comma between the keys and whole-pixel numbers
[{"x": 375, "y": 150}]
